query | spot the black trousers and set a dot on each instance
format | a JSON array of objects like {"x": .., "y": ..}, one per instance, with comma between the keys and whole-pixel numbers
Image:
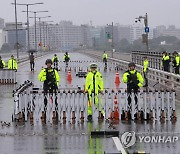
[
  {"x": 32, "y": 65},
  {"x": 49, "y": 91},
  {"x": 176, "y": 69},
  {"x": 145, "y": 78},
  {"x": 130, "y": 90}
]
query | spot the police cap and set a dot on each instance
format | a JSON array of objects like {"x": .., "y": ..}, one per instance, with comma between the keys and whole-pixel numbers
[
  {"x": 132, "y": 64},
  {"x": 48, "y": 61},
  {"x": 93, "y": 65}
]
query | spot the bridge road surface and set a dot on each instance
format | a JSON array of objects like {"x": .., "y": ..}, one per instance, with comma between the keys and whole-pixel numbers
[{"x": 68, "y": 138}]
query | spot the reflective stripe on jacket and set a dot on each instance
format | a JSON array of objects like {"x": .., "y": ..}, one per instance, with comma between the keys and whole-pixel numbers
[{"x": 94, "y": 82}]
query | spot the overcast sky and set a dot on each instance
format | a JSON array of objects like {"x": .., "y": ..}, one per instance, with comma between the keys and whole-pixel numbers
[{"x": 100, "y": 12}]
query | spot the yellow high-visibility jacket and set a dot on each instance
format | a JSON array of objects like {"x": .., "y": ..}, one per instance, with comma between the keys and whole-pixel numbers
[
  {"x": 66, "y": 57},
  {"x": 145, "y": 65},
  {"x": 42, "y": 75},
  {"x": 104, "y": 56},
  {"x": 55, "y": 59},
  {"x": 94, "y": 82},
  {"x": 139, "y": 77},
  {"x": 177, "y": 59},
  {"x": 3, "y": 63},
  {"x": 12, "y": 64}
]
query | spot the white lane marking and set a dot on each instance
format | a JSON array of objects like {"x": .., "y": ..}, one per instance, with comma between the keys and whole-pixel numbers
[{"x": 119, "y": 145}]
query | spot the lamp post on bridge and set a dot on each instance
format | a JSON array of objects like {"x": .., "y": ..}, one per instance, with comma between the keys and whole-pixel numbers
[
  {"x": 40, "y": 32},
  {"x": 27, "y": 6},
  {"x": 46, "y": 32},
  {"x": 146, "y": 29},
  {"x": 35, "y": 37},
  {"x": 110, "y": 36}
]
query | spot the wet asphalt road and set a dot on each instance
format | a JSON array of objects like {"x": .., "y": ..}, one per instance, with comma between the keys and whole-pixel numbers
[{"x": 68, "y": 138}]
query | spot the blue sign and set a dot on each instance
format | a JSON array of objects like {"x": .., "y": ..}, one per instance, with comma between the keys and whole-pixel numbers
[{"x": 146, "y": 29}]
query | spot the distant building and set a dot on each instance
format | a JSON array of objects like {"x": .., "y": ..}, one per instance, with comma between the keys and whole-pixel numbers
[
  {"x": 137, "y": 31},
  {"x": 163, "y": 31},
  {"x": 63, "y": 36},
  {"x": 124, "y": 32},
  {"x": 10, "y": 28},
  {"x": 1, "y": 23},
  {"x": 2, "y": 37}
]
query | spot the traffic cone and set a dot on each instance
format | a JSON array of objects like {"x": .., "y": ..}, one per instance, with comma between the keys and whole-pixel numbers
[
  {"x": 116, "y": 108},
  {"x": 69, "y": 76},
  {"x": 117, "y": 78},
  {"x": 115, "y": 113}
]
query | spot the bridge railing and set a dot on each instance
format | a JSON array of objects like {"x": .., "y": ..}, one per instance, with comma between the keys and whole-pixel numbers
[
  {"x": 155, "y": 59},
  {"x": 160, "y": 79}
]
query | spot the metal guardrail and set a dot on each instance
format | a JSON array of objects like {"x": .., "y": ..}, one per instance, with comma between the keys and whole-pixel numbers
[
  {"x": 155, "y": 59},
  {"x": 157, "y": 77}
]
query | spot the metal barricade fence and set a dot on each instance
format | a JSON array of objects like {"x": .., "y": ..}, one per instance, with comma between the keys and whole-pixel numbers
[
  {"x": 7, "y": 76},
  {"x": 84, "y": 65},
  {"x": 72, "y": 105},
  {"x": 21, "y": 100}
]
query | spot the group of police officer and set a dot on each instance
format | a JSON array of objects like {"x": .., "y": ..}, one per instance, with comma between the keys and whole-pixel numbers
[
  {"x": 175, "y": 61},
  {"x": 94, "y": 82},
  {"x": 12, "y": 63}
]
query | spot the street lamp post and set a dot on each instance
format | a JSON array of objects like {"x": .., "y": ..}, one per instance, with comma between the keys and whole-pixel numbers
[
  {"x": 35, "y": 37},
  {"x": 40, "y": 31},
  {"x": 110, "y": 36},
  {"x": 144, "y": 36},
  {"x": 46, "y": 32},
  {"x": 27, "y": 5},
  {"x": 16, "y": 45}
]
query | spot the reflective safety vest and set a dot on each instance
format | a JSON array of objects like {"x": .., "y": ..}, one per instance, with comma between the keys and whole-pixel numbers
[
  {"x": 2, "y": 63},
  {"x": 55, "y": 59},
  {"x": 176, "y": 60},
  {"x": 105, "y": 56},
  {"x": 165, "y": 60},
  {"x": 49, "y": 77},
  {"x": 66, "y": 57},
  {"x": 94, "y": 82},
  {"x": 133, "y": 78},
  {"x": 12, "y": 64}
]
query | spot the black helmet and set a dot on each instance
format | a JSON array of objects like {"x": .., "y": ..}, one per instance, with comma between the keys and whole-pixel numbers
[
  {"x": 132, "y": 64},
  {"x": 55, "y": 55},
  {"x": 48, "y": 61},
  {"x": 175, "y": 52}
]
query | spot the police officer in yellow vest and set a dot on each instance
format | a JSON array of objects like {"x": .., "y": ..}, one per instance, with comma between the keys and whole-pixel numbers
[
  {"x": 176, "y": 62},
  {"x": 2, "y": 63},
  {"x": 165, "y": 62},
  {"x": 12, "y": 63},
  {"x": 134, "y": 81},
  {"x": 50, "y": 77},
  {"x": 55, "y": 61},
  {"x": 94, "y": 85},
  {"x": 145, "y": 70}
]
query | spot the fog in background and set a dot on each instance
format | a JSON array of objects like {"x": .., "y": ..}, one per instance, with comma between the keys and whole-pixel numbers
[{"x": 100, "y": 12}]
